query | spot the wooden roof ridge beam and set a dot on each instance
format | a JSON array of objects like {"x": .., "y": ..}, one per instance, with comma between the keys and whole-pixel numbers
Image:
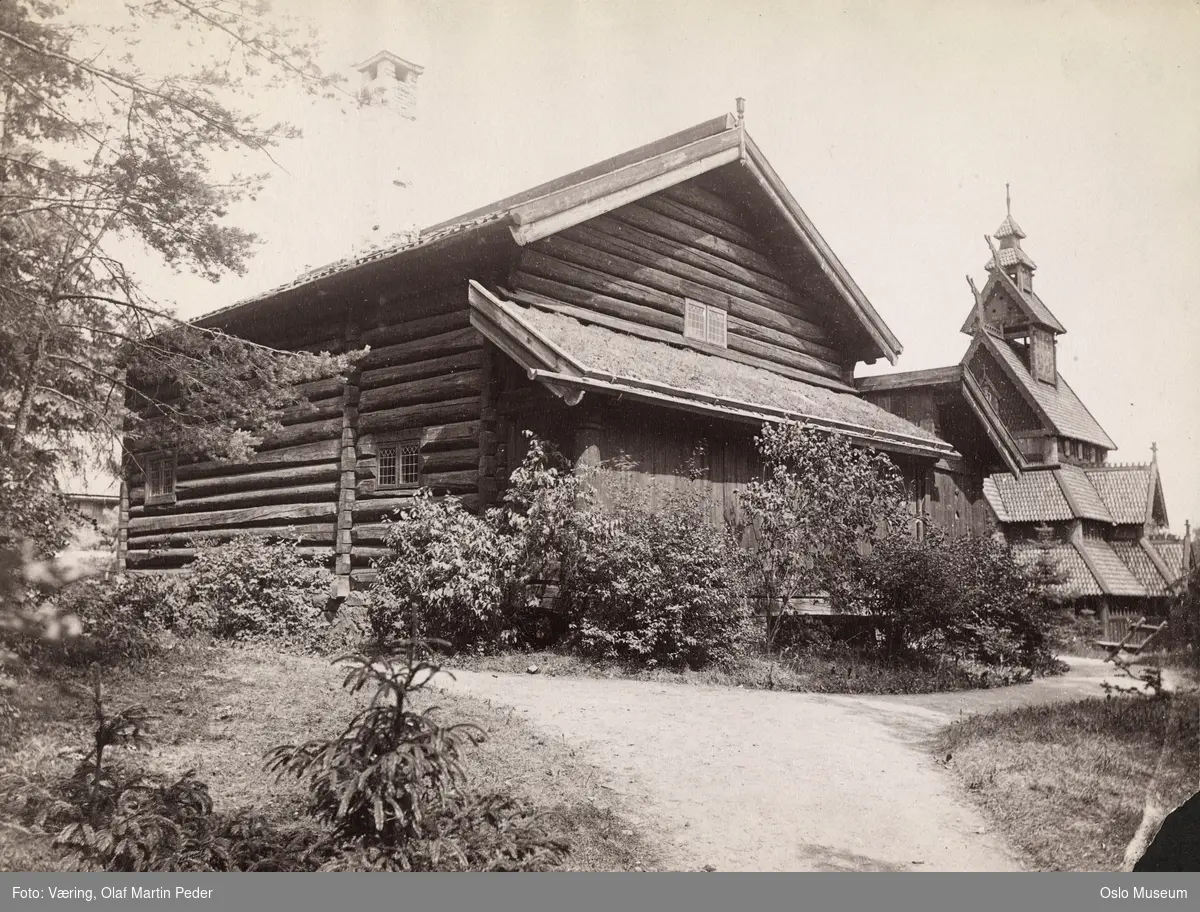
[
  {"x": 818, "y": 247},
  {"x": 547, "y": 215},
  {"x": 619, "y": 384}
]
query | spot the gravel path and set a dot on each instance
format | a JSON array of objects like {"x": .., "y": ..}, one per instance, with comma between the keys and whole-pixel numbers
[{"x": 753, "y": 780}]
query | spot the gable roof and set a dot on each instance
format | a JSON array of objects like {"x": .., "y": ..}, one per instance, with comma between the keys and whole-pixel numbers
[
  {"x": 1129, "y": 491},
  {"x": 1030, "y": 304},
  {"x": 610, "y": 184},
  {"x": 1057, "y": 405},
  {"x": 1034, "y": 497},
  {"x": 573, "y": 353},
  {"x": 1078, "y": 579},
  {"x": 1112, "y": 573},
  {"x": 1085, "y": 501}
]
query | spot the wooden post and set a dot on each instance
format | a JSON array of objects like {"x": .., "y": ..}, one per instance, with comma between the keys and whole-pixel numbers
[
  {"x": 488, "y": 428},
  {"x": 123, "y": 525},
  {"x": 343, "y": 546}
]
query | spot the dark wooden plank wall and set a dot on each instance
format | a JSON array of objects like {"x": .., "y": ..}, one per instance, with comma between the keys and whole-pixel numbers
[
  {"x": 956, "y": 502},
  {"x": 640, "y": 262}
]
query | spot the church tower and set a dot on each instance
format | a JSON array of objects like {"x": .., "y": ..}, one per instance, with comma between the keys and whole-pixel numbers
[{"x": 1012, "y": 309}]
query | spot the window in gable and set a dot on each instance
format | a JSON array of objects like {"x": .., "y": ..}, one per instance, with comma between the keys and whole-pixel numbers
[
  {"x": 705, "y": 323},
  {"x": 399, "y": 463}
]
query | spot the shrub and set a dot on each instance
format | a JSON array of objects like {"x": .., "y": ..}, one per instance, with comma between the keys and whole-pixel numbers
[
  {"x": 660, "y": 587},
  {"x": 968, "y": 599},
  {"x": 116, "y": 618},
  {"x": 448, "y": 570},
  {"x": 253, "y": 588},
  {"x": 393, "y": 786},
  {"x": 821, "y": 499}
]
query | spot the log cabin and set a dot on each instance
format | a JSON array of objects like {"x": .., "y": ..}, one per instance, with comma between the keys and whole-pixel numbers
[
  {"x": 658, "y": 304},
  {"x": 1033, "y": 460}
]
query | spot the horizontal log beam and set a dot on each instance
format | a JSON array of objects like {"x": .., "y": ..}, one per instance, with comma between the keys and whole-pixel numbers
[
  {"x": 422, "y": 349},
  {"x": 317, "y": 451},
  {"x": 717, "y": 227},
  {"x": 142, "y": 557},
  {"x": 689, "y": 194},
  {"x": 539, "y": 262},
  {"x": 430, "y": 389},
  {"x": 632, "y": 270},
  {"x": 311, "y": 493},
  {"x": 313, "y": 431},
  {"x": 421, "y": 328},
  {"x": 313, "y": 534},
  {"x": 654, "y": 221},
  {"x": 595, "y": 301},
  {"x": 273, "y": 515},
  {"x": 683, "y": 261},
  {"x": 417, "y": 370},
  {"x": 376, "y": 507},
  {"x": 413, "y": 416},
  {"x": 271, "y": 478}
]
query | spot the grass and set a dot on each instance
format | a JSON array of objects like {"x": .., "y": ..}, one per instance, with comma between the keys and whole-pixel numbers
[
  {"x": 220, "y": 709},
  {"x": 842, "y": 671},
  {"x": 1066, "y": 781}
]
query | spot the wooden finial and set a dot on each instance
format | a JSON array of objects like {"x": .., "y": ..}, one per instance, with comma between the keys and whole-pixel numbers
[
  {"x": 1154, "y": 452},
  {"x": 1007, "y": 199},
  {"x": 741, "y": 108}
]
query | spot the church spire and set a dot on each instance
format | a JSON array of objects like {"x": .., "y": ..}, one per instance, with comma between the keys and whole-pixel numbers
[{"x": 1013, "y": 260}]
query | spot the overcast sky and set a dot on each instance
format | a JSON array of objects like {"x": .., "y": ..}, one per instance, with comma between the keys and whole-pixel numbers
[{"x": 896, "y": 126}]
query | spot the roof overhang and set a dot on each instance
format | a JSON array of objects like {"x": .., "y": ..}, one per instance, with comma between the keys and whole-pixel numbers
[{"x": 566, "y": 377}]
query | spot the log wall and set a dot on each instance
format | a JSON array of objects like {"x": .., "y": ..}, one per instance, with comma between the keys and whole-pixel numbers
[
  {"x": 423, "y": 379},
  {"x": 641, "y": 261}
]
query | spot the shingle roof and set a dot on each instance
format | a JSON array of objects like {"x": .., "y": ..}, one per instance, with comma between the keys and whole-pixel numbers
[
  {"x": 1010, "y": 256},
  {"x": 1125, "y": 490},
  {"x": 1034, "y": 497},
  {"x": 1171, "y": 552},
  {"x": 621, "y": 355},
  {"x": 1009, "y": 228},
  {"x": 1079, "y": 491},
  {"x": 1114, "y": 575},
  {"x": 1141, "y": 566},
  {"x": 1068, "y": 416},
  {"x": 1079, "y": 580}
]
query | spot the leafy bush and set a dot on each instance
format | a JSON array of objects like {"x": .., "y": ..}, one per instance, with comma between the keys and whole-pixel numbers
[
  {"x": 448, "y": 570},
  {"x": 116, "y": 618},
  {"x": 969, "y": 599},
  {"x": 660, "y": 587},
  {"x": 393, "y": 786},
  {"x": 254, "y": 588},
  {"x": 820, "y": 501}
]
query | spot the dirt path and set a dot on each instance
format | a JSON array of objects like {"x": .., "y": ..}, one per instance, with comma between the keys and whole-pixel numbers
[{"x": 762, "y": 781}]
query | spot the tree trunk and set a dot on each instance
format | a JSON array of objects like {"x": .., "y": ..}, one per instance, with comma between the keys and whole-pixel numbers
[{"x": 25, "y": 405}]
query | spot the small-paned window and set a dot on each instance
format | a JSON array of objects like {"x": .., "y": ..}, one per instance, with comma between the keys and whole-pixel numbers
[
  {"x": 705, "y": 323},
  {"x": 399, "y": 463},
  {"x": 160, "y": 479}
]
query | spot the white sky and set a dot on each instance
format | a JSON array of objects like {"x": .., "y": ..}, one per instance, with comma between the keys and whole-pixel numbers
[{"x": 895, "y": 125}]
